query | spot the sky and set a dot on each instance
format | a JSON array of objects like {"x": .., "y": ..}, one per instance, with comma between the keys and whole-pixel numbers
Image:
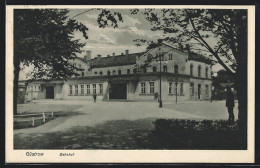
[{"x": 105, "y": 41}]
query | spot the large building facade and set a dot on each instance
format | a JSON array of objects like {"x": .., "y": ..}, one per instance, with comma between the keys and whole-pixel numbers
[{"x": 184, "y": 76}]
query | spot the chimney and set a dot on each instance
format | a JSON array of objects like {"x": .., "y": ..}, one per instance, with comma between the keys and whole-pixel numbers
[
  {"x": 108, "y": 55},
  {"x": 122, "y": 53},
  {"x": 187, "y": 48},
  {"x": 180, "y": 46},
  {"x": 98, "y": 57},
  {"x": 113, "y": 54},
  {"x": 88, "y": 56},
  {"x": 126, "y": 54}
]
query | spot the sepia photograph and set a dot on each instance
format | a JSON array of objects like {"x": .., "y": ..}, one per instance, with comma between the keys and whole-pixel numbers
[{"x": 131, "y": 79}]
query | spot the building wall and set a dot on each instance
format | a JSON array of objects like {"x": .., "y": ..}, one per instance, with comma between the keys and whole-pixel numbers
[
  {"x": 96, "y": 71},
  {"x": 195, "y": 69}
]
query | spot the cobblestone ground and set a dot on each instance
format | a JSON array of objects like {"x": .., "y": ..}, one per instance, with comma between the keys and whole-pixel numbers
[{"x": 110, "y": 125}]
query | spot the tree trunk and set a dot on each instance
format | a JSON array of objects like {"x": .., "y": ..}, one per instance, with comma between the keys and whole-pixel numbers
[
  {"x": 241, "y": 80},
  {"x": 15, "y": 88}
]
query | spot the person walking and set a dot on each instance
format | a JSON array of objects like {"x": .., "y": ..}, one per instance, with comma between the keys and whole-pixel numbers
[
  {"x": 230, "y": 104},
  {"x": 95, "y": 97}
]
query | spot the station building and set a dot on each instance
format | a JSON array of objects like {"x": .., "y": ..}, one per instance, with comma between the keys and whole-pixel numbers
[{"x": 184, "y": 76}]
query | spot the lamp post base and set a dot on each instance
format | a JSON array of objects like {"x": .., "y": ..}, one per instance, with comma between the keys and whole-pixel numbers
[{"x": 160, "y": 104}]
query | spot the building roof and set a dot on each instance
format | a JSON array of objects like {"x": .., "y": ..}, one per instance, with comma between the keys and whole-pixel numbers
[
  {"x": 116, "y": 60},
  {"x": 200, "y": 58}
]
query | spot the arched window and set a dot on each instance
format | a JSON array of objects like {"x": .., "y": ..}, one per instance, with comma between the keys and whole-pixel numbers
[
  {"x": 128, "y": 71},
  {"x": 199, "y": 71},
  {"x": 154, "y": 69},
  {"x": 108, "y": 72},
  {"x": 114, "y": 72},
  {"x": 100, "y": 73},
  {"x": 134, "y": 70},
  {"x": 176, "y": 69},
  {"x": 191, "y": 70},
  {"x": 206, "y": 72},
  {"x": 119, "y": 72},
  {"x": 165, "y": 68}
]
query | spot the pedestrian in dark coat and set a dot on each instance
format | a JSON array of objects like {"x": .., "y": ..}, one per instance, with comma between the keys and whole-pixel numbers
[
  {"x": 95, "y": 97},
  {"x": 230, "y": 104}
]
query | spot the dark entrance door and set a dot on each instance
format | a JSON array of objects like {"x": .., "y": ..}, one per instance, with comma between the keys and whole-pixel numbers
[
  {"x": 49, "y": 92},
  {"x": 117, "y": 91},
  {"x": 199, "y": 87}
]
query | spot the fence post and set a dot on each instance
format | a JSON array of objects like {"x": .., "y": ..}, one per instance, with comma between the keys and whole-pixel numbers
[
  {"x": 43, "y": 117},
  {"x": 33, "y": 121}
]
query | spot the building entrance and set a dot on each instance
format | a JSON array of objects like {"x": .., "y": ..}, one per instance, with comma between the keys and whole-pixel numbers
[
  {"x": 199, "y": 88},
  {"x": 49, "y": 92},
  {"x": 117, "y": 91}
]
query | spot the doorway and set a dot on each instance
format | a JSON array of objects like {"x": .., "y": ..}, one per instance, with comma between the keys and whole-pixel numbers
[
  {"x": 49, "y": 92},
  {"x": 117, "y": 91},
  {"x": 199, "y": 88}
]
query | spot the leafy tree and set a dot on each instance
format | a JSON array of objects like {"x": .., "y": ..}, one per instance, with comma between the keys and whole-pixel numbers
[
  {"x": 43, "y": 38},
  {"x": 221, "y": 33}
]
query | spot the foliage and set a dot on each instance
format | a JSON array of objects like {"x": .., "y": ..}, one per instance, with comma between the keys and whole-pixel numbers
[
  {"x": 199, "y": 27},
  {"x": 44, "y": 38}
]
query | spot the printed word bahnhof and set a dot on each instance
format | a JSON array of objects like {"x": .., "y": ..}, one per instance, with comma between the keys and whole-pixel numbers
[{"x": 184, "y": 76}]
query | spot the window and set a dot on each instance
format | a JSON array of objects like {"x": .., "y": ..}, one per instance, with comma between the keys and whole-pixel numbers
[
  {"x": 170, "y": 87},
  {"x": 199, "y": 70},
  {"x": 157, "y": 57},
  {"x": 82, "y": 73},
  {"x": 70, "y": 89},
  {"x": 191, "y": 70},
  {"x": 100, "y": 88},
  {"x": 82, "y": 89},
  {"x": 39, "y": 87},
  {"x": 95, "y": 72},
  {"x": 181, "y": 89},
  {"x": 94, "y": 89},
  {"x": 154, "y": 69},
  {"x": 108, "y": 72},
  {"x": 119, "y": 72},
  {"x": 175, "y": 88},
  {"x": 114, "y": 72},
  {"x": 34, "y": 87},
  {"x": 176, "y": 69},
  {"x": 151, "y": 87},
  {"x": 207, "y": 90},
  {"x": 135, "y": 70},
  {"x": 88, "y": 89},
  {"x": 128, "y": 71},
  {"x": 170, "y": 56},
  {"x": 76, "y": 90},
  {"x": 192, "y": 89},
  {"x": 150, "y": 57},
  {"x": 143, "y": 87},
  {"x": 100, "y": 73},
  {"x": 206, "y": 73},
  {"x": 165, "y": 68},
  {"x": 144, "y": 69}
]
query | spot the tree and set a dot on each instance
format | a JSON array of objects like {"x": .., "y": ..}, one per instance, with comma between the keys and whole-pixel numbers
[
  {"x": 201, "y": 27},
  {"x": 43, "y": 38}
]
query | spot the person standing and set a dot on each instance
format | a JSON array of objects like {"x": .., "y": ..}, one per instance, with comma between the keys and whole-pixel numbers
[
  {"x": 230, "y": 104},
  {"x": 95, "y": 97}
]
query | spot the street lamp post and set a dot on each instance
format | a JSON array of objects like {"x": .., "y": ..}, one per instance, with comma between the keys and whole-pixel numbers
[
  {"x": 176, "y": 86},
  {"x": 160, "y": 102}
]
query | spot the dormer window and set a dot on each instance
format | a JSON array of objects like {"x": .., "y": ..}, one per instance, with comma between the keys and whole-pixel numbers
[
  {"x": 176, "y": 69},
  {"x": 170, "y": 56}
]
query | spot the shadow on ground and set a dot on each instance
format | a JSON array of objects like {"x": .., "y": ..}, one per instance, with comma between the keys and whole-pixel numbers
[{"x": 139, "y": 134}]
